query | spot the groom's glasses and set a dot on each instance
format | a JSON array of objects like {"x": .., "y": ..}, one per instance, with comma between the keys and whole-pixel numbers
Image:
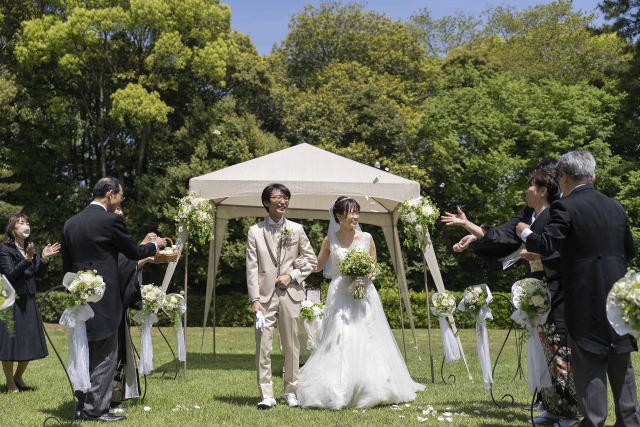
[{"x": 280, "y": 198}]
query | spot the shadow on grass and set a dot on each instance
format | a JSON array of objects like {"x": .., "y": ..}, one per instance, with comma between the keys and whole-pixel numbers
[
  {"x": 239, "y": 400},
  {"x": 63, "y": 414},
  {"x": 511, "y": 412},
  {"x": 197, "y": 361}
]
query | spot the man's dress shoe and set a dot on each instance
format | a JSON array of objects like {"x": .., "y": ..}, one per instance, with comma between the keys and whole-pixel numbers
[{"x": 105, "y": 418}]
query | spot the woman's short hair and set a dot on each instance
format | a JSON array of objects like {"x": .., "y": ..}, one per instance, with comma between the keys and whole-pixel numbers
[
  {"x": 13, "y": 219},
  {"x": 546, "y": 178},
  {"x": 343, "y": 205}
]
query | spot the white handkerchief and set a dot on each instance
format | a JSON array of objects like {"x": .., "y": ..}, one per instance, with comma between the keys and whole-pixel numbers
[{"x": 260, "y": 324}]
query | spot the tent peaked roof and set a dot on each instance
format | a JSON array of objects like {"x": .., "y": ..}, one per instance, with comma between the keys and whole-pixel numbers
[{"x": 314, "y": 176}]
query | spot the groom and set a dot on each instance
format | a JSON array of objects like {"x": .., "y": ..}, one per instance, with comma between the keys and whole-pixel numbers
[{"x": 276, "y": 290}]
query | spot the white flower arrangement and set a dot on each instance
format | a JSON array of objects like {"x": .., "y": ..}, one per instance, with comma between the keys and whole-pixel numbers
[
  {"x": 197, "y": 215},
  {"x": 174, "y": 306},
  {"x": 473, "y": 299},
  {"x": 153, "y": 298},
  {"x": 86, "y": 286},
  {"x": 444, "y": 304},
  {"x": 623, "y": 304},
  {"x": 311, "y": 310},
  {"x": 419, "y": 215}
]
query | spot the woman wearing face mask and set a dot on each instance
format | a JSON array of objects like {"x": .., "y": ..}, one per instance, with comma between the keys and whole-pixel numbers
[{"x": 20, "y": 263}]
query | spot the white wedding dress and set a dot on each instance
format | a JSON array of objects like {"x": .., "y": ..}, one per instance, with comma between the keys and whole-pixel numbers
[{"x": 356, "y": 363}]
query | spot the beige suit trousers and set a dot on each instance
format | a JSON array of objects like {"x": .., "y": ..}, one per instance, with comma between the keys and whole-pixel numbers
[{"x": 287, "y": 311}]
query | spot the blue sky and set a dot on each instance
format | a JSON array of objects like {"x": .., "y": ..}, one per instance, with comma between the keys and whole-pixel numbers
[{"x": 266, "y": 21}]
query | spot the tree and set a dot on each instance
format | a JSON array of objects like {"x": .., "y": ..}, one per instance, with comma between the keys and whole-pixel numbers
[{"x": 443, "y": 35}]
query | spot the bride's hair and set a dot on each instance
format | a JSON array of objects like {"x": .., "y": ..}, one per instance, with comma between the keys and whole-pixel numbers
[{"x": 343, "y": 205}]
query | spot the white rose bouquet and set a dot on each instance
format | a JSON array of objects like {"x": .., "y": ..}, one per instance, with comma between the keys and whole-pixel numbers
[
  {"x": 444, "y": 304},
  {"x": 175, "y": 306},
  {"x": 475, "y": 301},
  {"x": 197, "y": 215},
  {"x": 85, "y": 287},
  {"x": 311, "y": 312},
  {"x": 152, "y": 300},
  {"x": 418, "y": 214},
  {"x": 623, "y": 305},
  {"x": 361, "y": 268},
  {"x": 532, "y": 304}
]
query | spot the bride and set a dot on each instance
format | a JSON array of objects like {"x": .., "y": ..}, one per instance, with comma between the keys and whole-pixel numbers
[{"x": 356, "y": 363}]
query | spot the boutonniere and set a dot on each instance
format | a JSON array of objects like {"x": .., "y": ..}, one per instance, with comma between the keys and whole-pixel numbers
[{"x": 285, "y": 236}]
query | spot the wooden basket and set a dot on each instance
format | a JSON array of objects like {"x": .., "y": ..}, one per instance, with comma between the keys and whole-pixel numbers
[{"x": 166, "y": 257}]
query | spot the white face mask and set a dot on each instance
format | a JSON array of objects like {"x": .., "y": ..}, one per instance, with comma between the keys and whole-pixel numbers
[{"x": 24, "y": 231}]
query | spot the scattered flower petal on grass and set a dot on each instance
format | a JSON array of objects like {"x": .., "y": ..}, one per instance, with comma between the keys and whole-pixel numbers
[
  {"x": 119, "y": 410},
  {"x": 401, "y": 416},
  {"x": 196, "y": 407},
  {"x": 509, "y": 416},
  {"x": 449, "y": 419},
  {"x": 421, "y": 420},
  {"x": 147, "y": 408},
  {"x": 475, "y": 411},
  {"x": 406, "y": 405},
  {"x": 440, "y": 418},
  {"x": 447, "y": 414}
]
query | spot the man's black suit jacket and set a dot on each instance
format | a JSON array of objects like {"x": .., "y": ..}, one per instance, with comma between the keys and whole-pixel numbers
[
  {"x": 92, "y": 240},
  {"x": 592, "y": 233}
]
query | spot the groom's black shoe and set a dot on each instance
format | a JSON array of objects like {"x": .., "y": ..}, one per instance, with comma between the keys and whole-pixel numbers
[{"x": 105, "y": 418}]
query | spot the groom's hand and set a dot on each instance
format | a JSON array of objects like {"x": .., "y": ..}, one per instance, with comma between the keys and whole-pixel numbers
[
  {"x": 283, "y": 281},
  {"x": 256, "y": 306}
]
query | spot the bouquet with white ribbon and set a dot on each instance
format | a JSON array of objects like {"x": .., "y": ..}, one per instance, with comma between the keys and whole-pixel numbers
[
  {"x": 532, "y": 304},
  {"x": 311, "y": 314},
  {"x": 361, "y": 268},
  {"x": 152, "y": 300},
  {"x": 444, "y": 305},
  {"x": 475, "y": 302},
  {"x": 623, "y": 305},
  {"x": 175, "y": 306},
  {"x": 85, "y": 287},
  {"x": 7, "y": 298}
]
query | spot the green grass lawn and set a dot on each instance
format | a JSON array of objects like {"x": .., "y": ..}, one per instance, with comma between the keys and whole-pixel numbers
[{"x": 221, "y": 389}]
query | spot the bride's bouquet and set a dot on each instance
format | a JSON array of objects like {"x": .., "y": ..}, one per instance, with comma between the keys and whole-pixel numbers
[
  {"x": 475, "y": 301},
  {"x": 532, "y": 304},
  {"x": 418, "y": 215},
  {"x": 152, "y": 300},
  {"x": 623, "y": 305},
  {"x": 7, "y": 298},
  {"x": 174, "y": 307},
  {"x": 360, "y": 267},
  {"x": 444, "y": 305},
  {"x": 311, "y": 313},
  {"x": 85, "y": 287}
]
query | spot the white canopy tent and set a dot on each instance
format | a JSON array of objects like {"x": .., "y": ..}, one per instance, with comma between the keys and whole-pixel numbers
[{"x": 316, "y": 178}]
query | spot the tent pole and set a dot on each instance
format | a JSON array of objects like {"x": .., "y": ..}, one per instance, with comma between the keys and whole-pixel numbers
[
  {"x": 186, "y": 275},
  {"x": 398, "y": 259},
  {"x": 426, "y": 291}
]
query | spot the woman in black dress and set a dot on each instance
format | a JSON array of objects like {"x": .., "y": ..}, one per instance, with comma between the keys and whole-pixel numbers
[{"x": 20, "y": 263}]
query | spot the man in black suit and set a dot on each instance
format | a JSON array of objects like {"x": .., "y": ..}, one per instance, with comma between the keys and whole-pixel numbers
[
  {"x": 592, "y": 233},
  {"x": 92, "y": 240}
]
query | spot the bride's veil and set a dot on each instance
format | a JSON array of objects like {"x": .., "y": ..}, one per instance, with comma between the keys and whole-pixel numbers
[{"x": 330, "y": 269}]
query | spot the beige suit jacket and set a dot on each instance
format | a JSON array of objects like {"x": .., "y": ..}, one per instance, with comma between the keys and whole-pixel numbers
[{"x": 262, "y": 264}]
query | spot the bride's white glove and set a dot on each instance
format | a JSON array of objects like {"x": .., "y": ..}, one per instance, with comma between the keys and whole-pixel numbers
[
  {"x": 260, "y": 323},
  {"x": 300, "y": 262}
]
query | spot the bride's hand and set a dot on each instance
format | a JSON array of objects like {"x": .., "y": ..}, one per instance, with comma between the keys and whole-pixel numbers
[
  {"x": 464, "y": 243},
  {"x": 459, "y": 219}
]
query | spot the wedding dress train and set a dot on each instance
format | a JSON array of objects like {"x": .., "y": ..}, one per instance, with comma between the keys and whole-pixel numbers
[{"x": 356, "y": 363}]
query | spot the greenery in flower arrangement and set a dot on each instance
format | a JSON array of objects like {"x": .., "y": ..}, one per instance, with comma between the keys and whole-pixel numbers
[
  {"x": 311, "y": 310},
  {"x": 419, "y": 215},
  {"x": 358, "y": 265},
  {"x": 623, "y": 304},
  {"x": 473, "y": 299},
  {"x": 530, "y": 296},
  {"x": 85, "y": 286},
  {"x": 444, "y": 303},
  {"x": 196, "y": 214}
]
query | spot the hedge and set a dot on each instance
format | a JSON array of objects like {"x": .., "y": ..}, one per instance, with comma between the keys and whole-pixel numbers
[{"x": 233, "y": 309}]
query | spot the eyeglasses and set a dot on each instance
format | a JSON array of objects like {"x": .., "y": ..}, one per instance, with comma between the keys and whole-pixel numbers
[{"x": 279, "y": 198}]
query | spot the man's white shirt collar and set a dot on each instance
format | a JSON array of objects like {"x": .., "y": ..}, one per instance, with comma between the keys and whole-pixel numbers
[
  {"x": 271, "y": 222},
  {"x": 93, "y": 202}
]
